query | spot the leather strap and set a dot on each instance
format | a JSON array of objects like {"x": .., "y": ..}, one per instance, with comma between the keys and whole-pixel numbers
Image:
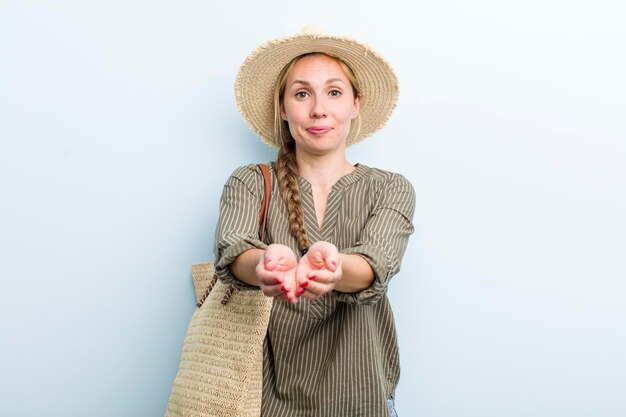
[
  {"x": 267, "y": 195},
  {"x": 266, "y": 199}
]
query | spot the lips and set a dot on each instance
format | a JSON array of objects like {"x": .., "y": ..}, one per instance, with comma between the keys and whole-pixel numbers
[{"x": 318, "y": 130}]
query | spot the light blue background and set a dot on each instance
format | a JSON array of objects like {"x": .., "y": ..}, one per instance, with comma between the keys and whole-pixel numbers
[{"x": 118, "y": 128}]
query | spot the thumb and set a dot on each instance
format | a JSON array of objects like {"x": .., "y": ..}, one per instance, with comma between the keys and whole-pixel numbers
[
  {"x": 270, "y": 263},
  {"x": 331, "y": 262}
]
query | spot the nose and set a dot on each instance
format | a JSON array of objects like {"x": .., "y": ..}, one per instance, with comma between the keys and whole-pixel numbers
[{"x": 318, "y": 109}]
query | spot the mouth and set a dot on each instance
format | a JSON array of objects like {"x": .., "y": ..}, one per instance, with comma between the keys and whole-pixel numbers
[{"x": 318, "y": 130}]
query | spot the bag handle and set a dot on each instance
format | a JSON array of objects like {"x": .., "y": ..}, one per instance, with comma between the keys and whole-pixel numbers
[
  {"x": 267, "y": 195},
  {"x": 265, "y": 206}
]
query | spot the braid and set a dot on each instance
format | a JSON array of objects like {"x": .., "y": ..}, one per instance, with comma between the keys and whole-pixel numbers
[{"x": 287, "y": 172}]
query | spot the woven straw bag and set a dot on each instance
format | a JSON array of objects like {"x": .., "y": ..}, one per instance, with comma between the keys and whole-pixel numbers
[{"x": 221, "y": 365}]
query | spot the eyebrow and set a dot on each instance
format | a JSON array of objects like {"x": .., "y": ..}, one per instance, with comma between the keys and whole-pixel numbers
[{"x": 329, "y": 81}]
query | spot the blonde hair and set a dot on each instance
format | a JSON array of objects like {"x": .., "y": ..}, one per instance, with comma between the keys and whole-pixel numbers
[{"x": 286, "y": 165}]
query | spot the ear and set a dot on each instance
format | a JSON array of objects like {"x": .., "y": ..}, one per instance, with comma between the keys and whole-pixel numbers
[
  {"x": 283, "y": 115},
  {"x": 357, "y": 106}
]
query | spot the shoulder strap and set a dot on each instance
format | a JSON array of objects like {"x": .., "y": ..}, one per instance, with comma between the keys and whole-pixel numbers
[
  {"x": 267, "y": 183},
  {"x": 267, "y": 179}
]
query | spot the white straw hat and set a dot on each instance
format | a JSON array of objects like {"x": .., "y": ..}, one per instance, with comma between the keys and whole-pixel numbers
[{"x": 255, "y": 82}]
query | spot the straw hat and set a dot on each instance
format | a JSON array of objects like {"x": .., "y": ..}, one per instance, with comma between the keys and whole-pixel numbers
[{"x": 254, "y": 85}]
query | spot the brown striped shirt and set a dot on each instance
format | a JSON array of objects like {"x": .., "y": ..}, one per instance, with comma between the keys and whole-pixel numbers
[{"x": 337, "y": 355}]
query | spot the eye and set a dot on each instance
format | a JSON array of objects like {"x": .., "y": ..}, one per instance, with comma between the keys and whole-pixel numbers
[
  {"x": 302, "y": 94},
  {"x": 335, "y": 93}
]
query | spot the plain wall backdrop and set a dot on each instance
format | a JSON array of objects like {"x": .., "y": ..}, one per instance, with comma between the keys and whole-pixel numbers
[{"x": 118, "y": 128}]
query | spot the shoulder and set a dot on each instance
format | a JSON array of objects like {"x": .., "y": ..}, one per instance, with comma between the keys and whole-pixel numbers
[
  {"x": 246, "y": 173},
  {"x": 251, "y": 171},
  {"x": 390, "y": 190},
  {"x": 250, "y": 176},
  {"x": 385, "y": 180}
]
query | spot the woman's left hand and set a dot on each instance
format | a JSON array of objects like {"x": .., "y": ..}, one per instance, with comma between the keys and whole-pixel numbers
[{"x": 318, "y": 271}]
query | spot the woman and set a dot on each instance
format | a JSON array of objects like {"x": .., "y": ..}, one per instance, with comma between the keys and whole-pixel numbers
[{"x": 338, "y": 232}]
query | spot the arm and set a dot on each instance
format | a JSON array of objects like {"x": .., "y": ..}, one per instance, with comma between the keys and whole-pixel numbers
[
  {"x": 357, "y": 274},
  {"x": 324, "y": 269},
  {"x": 244, "y": 266},
  {"x": 383, "y": 240},
  {"x": 241, "y": 258},
  {"x": 360, "y": 274},
  {"x": 237, "y": 231}
]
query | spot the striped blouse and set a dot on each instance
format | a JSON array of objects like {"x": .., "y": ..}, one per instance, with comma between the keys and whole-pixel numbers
[{"x": 336, "y": 355}]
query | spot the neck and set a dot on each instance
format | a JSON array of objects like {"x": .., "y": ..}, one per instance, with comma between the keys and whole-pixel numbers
[{"x": 323, "y": 171}]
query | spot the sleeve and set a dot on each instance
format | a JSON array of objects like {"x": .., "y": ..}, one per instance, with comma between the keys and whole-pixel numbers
[
  {"x": 238, "y": 227},
  {"x": 383, "y": 240}
]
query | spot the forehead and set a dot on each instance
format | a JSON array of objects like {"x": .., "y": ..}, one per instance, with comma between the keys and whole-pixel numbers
[{"x": 318, "y": 66}]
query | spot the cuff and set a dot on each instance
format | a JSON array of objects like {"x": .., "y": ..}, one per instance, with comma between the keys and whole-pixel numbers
[
  {"x": 380, "y": 264},
  {"x": 229, "y": 255}
]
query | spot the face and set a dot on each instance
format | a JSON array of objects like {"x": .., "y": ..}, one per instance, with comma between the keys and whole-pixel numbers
[{"x": 319, "y": 105}]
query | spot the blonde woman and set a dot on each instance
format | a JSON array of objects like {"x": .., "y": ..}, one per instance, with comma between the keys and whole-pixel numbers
[{"x": 336, "y": 235}]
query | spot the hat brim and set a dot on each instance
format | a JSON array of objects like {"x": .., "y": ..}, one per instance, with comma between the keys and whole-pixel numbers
[{"x": 255, "y": 82}]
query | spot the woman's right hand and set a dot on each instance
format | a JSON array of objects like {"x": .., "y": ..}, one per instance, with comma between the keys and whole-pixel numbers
[{"x": 276, "y": 271}]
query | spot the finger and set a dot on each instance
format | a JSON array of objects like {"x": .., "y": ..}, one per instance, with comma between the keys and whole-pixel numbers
[
  {"x": 300, "y": 291},
  {"x": 272, "y": 291},
  {"x": 322, "y": 276},
  {"x": 279, "y": 289},
  {"x": 290, "y": 296},
  {"x": 287, "y": 287},
  {"x": 331, "y": 263},
  {"x": 308, "y": 295},
  {"x": 303, "y": 279},
  {"x": 303, "y": 284},
  {"x": 301, "y": 273},
  {"x": 272, "y": 282},
  {"x": 270, "y": 263},
  {"x": 316, "y": 289},
  {"x": 270, "y": 277}
]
